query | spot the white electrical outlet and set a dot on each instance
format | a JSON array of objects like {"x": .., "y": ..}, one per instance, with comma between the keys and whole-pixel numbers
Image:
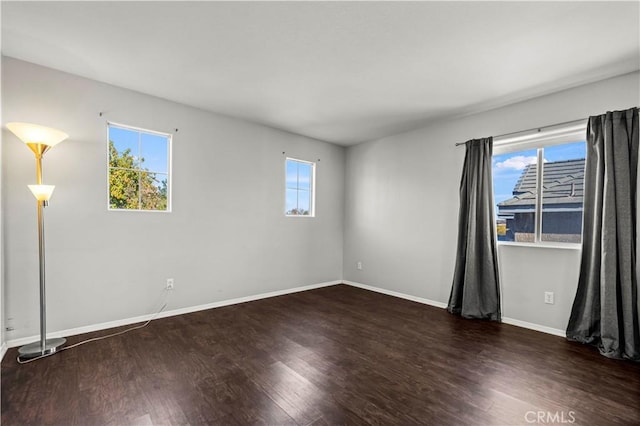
[
  {"x": 169, "y": 284},
  {"x": 359, "y": 266},
  {"x": 9, "y": 325},
  {"x": 548, "y": 297}
]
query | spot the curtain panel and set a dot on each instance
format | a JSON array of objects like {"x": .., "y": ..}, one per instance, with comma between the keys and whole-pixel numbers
[
  {"x": 475, "y": 292},
  {"x": 605, "y": 308}
]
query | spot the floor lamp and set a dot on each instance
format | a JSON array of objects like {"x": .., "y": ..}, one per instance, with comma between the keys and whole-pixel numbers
[{"x": 39, "y": 139}]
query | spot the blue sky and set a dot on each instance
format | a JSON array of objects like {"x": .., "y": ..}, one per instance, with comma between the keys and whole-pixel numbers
[{"x": 507, "y": 168}]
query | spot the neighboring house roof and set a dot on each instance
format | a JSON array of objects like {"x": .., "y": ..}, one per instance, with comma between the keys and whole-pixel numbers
[{"x": 563, "y": 186}]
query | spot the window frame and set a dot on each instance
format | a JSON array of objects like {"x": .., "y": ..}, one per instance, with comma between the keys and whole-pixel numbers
[
  {"x": 169, "y": 173},
  {"x": 538, "y": 140},
  {"x": 312, "y": 188}
]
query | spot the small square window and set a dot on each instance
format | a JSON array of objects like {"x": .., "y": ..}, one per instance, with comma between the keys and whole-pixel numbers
[
  {"x": 139, "y": 165},
  {"x": 299, "y": 187}
]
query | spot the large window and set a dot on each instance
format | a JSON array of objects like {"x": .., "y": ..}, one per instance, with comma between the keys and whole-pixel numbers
[
  {"x": 538, "y": 191},
  {"x": 139, "y": 169},
  {"x": 299, "y": 187}
]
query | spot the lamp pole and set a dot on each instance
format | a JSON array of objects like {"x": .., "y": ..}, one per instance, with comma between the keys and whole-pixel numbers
[{"x": 43, "y": 293}]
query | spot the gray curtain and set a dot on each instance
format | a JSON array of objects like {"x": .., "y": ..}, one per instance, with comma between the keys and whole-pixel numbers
[
  {"x": 605, "y": 309},
  {"x": 476, "y": 290}
]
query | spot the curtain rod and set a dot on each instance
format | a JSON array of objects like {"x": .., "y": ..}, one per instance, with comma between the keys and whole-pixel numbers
[{"x": 539, "y": 129}]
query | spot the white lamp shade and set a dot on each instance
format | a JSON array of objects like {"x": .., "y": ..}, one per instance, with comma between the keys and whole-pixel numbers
[
  {"x": 42, "y": 192},
  {"x": 34, "y": 133}
]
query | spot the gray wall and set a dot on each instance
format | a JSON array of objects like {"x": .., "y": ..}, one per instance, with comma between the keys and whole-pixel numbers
[
  {"x": 2, "y": 335},
  {"x": 227, "y": 236},
  {"x": 402, "y": 206}
]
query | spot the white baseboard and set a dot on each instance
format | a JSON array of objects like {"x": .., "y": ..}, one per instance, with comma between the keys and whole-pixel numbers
[
  {"x": 536, "y": 327},
  {"x": 3, "y": 350},
  {"x": 396, "y": 294},
  {"x": 511, "y": 321},
  {"x": 118, "y": 323}
]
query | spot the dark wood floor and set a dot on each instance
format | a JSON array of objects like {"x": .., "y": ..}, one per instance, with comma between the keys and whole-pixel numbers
[{"x": 335, "y": 355}]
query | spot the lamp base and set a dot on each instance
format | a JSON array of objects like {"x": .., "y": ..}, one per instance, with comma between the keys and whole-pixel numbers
[{"x": 34, "y": 350}]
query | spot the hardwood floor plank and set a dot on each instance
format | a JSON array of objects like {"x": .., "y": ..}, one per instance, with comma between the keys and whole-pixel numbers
[
  {"x": 246, "y": 402},
  {"x": 297, "y": 396}
]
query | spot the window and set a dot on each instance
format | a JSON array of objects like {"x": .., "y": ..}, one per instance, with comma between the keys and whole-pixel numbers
[
  {"x": 538, "y": 189},
  {"x": 299, "y": 188},
  {"x": 139, "y": 169}
]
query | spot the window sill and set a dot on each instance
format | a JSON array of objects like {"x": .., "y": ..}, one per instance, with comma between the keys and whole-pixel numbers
[
  {"x": 138, "y": 210},
  {"x": 545, "y": 245}
]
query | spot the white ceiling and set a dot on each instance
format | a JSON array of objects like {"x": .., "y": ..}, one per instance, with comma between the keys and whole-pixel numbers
[{"x": 343, "y": 72}]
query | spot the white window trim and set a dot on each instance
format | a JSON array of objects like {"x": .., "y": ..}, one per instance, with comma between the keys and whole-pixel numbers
[
  {"x": 312, "y": 198},
  {"x": 550, "y": 136},
  {"x": 169, "y": 137},
  {"x": 542, "y": 244}
]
